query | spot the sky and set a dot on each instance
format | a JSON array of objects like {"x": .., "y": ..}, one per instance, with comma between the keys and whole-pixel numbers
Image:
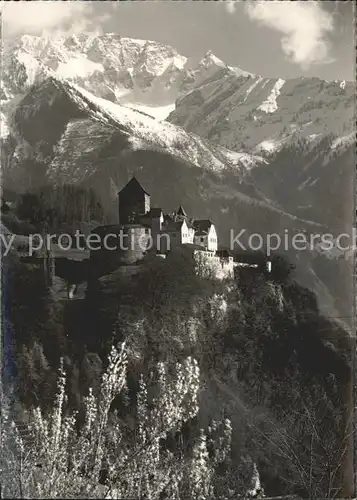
[{"x": 272, "y": 38}]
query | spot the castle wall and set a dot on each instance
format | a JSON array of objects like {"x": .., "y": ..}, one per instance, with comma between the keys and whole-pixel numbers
[
  {"x": 131, "y": 243},
  {"x": 209, "y": 265},
  {"x": 132, "y": 204},
  {"x": 146, "y": 203},
  {"x": 208, "y": 241},
  {"x": 156, "y": 225},
  {"x": 137, "y": 239}
]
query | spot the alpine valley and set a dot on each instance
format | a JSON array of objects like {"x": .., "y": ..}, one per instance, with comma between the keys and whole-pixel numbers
[{"x": 265, "y": 154}]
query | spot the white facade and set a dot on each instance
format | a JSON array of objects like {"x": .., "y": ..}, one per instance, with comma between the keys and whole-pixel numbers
[
  {"x": 208, "y": 241},
  {"x": 156, "y": 226},
  {"x": 187, "y": 234},
  {"x": 182, "y": 236},
  {"x": 169, "y": 239}
]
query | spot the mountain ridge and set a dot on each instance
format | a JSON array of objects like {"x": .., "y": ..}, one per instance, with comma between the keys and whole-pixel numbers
[
  {"x": 120, "y": 69},
  {"x": 261, "y": 114}
]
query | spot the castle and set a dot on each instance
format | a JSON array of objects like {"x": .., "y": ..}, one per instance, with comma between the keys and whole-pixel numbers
[
  {"x": 149, "y": 229},
  {"x": 166, "y": 230}
]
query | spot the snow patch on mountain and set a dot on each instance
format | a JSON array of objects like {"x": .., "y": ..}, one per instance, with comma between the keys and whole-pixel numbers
[
  {"x": 268, "y": 146},
  {"x": 313, "y": 137},
  {"x": 136, "y": 144},
  {"x": 4, "y": 129},
  {"x": 247, "y": 160},
  {"x": 144, "y": 132},
  {"x": 158, "y": 112},
  {"x": 210, "y": 59},
  {"x": 252, "y": 87},
  {"x": 212, "y": 63},
  {"x": 138, "y": 41},
  {"x": 180, "y": 61},
  {"x": 344, "y": 141},
  {"x": 31, "y": 64},
  {"x": 270, "y": 105},
  {"x": 338, "y": 146},
  {"x": 138, "y": 122},
  {"x": 78, "y": 67}
]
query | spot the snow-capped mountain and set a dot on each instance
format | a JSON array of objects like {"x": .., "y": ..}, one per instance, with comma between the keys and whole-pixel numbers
[
  {"x": 144, "y": 74},
  {"x": 265, "y": 114},
  {"x": 224, "y": 104},
  {"x": 40, "y": 124}
]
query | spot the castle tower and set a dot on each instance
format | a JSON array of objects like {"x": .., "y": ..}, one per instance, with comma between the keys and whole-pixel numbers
[
  {"x": 181, "y": 212},
  {"x": 134, "y": 201}
]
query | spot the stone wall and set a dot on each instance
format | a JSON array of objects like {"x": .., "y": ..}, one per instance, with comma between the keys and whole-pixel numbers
[
  {"x": 127, "y": 247},
  {"x": 209, "y": 265}
]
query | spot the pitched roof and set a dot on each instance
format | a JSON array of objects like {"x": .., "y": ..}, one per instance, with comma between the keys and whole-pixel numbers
[
  {"x": 181, "y": 211},
  {"x": 202, "y": 226},
  {"x": 134, "y": 185}
]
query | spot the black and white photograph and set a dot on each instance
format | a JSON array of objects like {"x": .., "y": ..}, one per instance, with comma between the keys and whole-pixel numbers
[{"x": 178, "y": 240}]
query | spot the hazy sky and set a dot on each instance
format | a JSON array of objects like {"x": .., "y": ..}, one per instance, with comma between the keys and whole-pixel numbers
[{"x": 281, "y": 38}]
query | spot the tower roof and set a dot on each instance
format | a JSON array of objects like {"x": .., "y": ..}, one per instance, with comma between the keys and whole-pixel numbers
[
  {"x": 181, "y": 211},
  {"x": 134, "y": 186}
]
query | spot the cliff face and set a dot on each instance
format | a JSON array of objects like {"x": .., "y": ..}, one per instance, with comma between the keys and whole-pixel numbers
[
  {"x": 269, "y": 361},
  {"x": 283, "y": 367},
  {"x": 283, "y": 373}
]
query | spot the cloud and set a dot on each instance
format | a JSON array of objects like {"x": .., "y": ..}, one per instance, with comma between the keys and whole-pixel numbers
[
  {"x": 230, "y": 6},
  {"x": 40, "y": 17},
  {"x": 304, "y": 25}
]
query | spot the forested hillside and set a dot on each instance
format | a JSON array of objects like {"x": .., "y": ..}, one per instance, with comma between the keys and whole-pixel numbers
[{"x": 210, "y": 389}]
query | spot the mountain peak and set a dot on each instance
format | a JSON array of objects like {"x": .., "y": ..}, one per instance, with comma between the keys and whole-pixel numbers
[{"x": 210, "y": 59}]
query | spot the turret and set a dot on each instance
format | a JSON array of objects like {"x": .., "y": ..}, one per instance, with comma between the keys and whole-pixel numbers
[
  {"x": 181, "y": 212},
  {"x": 134, "y": 201}
]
